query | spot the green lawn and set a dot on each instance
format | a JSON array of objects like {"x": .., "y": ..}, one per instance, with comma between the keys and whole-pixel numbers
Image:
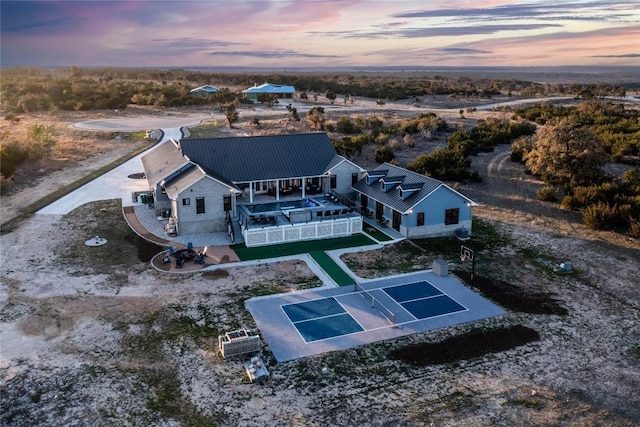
[
  {"x": 332, "y": 269},
  {"x": 273, "y": 251}
]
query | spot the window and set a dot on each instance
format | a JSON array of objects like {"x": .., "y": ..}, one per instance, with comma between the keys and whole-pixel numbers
[
  {"x": 226, "y": 201},
  {"x": 420, "y": 219},
  {"x": 354, "y": 178},
  {"x": 186, "y": 202},
  {"x": 199, "y": 205},
  {"x": 451, "y": 216},
  {"x": 333, "y": 181}
]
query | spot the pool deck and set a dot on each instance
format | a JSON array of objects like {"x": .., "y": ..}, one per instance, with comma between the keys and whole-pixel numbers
[{"x": 286, "y": 343}]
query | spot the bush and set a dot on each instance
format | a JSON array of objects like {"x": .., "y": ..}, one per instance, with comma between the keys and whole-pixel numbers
[
  {"x": 11, "y": 156},
  {"x": 345, "y": 125},
  {"x": 594, "y": 216},
  {"x": 384, "y": 154},
  {"x": 634, "y": 228},
  {"x": 602, "y": 216},
  {"x": 547, "y": 194},
  {"x": 520, "y": 147}
]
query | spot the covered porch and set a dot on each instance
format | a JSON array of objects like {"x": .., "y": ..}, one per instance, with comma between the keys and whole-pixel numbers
[{"x": 283, "y": 189}]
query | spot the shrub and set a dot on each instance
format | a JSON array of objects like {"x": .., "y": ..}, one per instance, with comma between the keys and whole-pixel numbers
[
  {"x": 384, "y": 154},
  {"x": 520, "y": 147},
  {"x": 594, "y": 216},
  {"x": 547, "y": 194},
  {"x": 634, "y": 228},
  {"x": 600, "y": 216},
  {"x": 345, "y": 125}
]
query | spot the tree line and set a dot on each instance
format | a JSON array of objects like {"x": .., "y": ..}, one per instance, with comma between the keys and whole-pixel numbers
[{"x": 31, "y": 89}]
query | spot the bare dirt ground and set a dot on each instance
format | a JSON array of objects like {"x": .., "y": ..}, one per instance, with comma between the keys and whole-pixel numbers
[{"x": 117, "y": 343}]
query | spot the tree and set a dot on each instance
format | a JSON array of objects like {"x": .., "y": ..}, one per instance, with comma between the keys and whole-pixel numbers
[
  {"x": 294, "y": 112},
  {"x": 331, "y": 96},
  {"x": 231, "y": 114},
  {"x": 315, "y": 117},
  {"x": 565, "y": 153},
  {"x": 384, "y": 153}
]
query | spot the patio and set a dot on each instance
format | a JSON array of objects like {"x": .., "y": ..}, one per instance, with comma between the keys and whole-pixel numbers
[{"x": 292, "y": 218}]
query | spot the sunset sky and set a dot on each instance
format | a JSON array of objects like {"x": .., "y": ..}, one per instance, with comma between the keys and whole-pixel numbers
[{"x": 319, "y": 33}]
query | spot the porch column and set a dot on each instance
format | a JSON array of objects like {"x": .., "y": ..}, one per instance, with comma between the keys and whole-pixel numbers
[
  {"x": 277, "y": 189},
  {"x": 303, "y": 185},
  {"x": 251, "y": 191}
]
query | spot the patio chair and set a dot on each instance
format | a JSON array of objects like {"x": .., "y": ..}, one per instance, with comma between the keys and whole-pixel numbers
[{"x": 179, "y": 262}]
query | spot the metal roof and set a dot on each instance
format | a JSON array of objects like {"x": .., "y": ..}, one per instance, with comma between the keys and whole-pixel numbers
[
  {"x": 183, "y": 181},
  {"x": 162, "y": 161},
  {"x": 206, "y": 88},
  {"x": 423, "y": 185},
  {"x": 270, "y": 88},
  {"x": 261, "y": 158}
]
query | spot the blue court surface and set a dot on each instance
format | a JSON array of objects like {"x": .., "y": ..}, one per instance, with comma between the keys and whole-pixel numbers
[{"x": 316, "y": 321}]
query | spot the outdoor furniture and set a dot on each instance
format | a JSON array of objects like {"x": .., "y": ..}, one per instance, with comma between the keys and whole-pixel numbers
[
  {"x": 179, "y": 262},
  {"x": 166, "y": 260}
]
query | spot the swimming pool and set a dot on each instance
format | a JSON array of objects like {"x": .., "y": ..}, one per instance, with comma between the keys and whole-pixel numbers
[{"x": 276, "y": 206}]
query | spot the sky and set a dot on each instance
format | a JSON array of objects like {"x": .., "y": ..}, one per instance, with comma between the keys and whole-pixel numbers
[{"x": 319, "y": 33}]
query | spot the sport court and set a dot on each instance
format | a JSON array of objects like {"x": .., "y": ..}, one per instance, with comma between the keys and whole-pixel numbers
[{"x": 310, "y": 322}]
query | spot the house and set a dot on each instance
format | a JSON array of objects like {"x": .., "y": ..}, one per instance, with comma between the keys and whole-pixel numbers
[
  {"x": 415, "y": 205},
  {"x": 277, "y": 91},
  {"x": 202, "y": 185},
  {"x": 204, "y": 91}
]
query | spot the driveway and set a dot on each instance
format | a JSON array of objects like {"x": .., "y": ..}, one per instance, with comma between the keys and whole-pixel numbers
[{"x": 116, "y": 183}]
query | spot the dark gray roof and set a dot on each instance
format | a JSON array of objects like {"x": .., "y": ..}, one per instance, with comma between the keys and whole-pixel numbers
[
  {"x": 390, "y": 179},
  {"x": 412, "y": 186},
  {"x": 243, "y": 159},
  {"x": 160, "y": 162},
  {"x": 424, "y": 185},
  {"x": 183, "y": 181}
]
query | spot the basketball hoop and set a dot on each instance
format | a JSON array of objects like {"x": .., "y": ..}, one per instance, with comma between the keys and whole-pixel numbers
[{"x": 465, "y": 254}]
